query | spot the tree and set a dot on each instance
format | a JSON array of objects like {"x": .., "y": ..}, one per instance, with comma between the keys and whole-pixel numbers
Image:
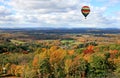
[{"x": 98, "y": 67}]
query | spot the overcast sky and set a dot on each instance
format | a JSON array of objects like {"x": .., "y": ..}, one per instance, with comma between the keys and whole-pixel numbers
[{"x": 59, "y": 13}]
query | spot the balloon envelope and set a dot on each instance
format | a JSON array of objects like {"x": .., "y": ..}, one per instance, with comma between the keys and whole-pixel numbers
[{"x": 85, "y": 10}]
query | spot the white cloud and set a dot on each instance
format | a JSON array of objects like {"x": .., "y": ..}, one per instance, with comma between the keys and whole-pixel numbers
[{"x": 53, "y": 13}]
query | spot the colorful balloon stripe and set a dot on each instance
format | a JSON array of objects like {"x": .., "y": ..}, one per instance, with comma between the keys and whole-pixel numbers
[{"x": 85, "y": 11}]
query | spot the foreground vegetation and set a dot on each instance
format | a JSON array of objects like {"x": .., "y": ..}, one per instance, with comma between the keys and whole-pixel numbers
[
  {"x": 56, "y": 62},
  {"x": 77, "y": 56}
]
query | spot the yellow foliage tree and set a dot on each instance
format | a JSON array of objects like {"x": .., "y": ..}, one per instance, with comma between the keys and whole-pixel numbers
[
  {"x": 35, "y": 61},
  {"x": 71, "y": 52},
  {"x": 12, "y": 68},
  {"x": 53, "y": 48},
  {"x": 19, "y": 71},
  {"x": 57, "y": 56}
]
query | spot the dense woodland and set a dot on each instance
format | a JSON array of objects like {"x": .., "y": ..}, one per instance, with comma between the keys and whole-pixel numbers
[{"x": 59, "y": 55}]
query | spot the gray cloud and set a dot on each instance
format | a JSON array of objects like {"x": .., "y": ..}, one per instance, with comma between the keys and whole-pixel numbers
[{"x": 4, "y": 11}]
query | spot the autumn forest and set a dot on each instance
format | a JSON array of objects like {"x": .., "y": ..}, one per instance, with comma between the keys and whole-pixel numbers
[{"x": 63, "y": 53}]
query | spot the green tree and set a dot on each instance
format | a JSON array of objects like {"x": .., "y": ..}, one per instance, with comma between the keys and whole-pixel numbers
[{"x": 98, "y": 67}]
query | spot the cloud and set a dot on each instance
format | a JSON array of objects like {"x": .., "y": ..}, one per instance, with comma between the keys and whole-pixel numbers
[
  {"x": 4, "y": 11},
  {"x": 42, "y": 6},
  {"x": 54, "y": 13}
]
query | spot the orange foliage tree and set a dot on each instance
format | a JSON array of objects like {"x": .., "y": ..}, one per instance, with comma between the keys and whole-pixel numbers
[{"x": 89, "y": 50}]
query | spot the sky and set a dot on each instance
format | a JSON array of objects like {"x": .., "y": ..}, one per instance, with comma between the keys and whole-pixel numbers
[{"x": 59, "y": 13}]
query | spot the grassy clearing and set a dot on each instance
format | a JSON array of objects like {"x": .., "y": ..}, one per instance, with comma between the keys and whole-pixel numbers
[
  {"x": 17, "y": 41},
  {"x": 67, "y": 41}
]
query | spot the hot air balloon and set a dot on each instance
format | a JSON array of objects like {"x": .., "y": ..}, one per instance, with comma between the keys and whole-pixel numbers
[{"x": 85, "y": 11}]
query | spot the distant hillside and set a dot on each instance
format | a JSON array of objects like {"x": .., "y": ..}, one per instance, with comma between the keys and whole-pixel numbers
[{"x": 65, "y": 30}]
